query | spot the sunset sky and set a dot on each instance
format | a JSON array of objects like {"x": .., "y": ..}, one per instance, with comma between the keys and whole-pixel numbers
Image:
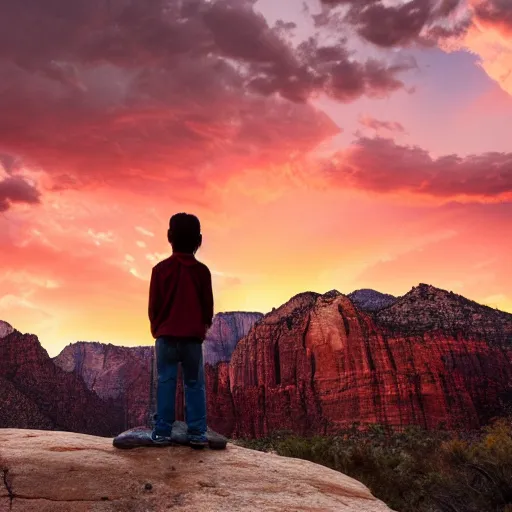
[{"x": 335, "y": 144}]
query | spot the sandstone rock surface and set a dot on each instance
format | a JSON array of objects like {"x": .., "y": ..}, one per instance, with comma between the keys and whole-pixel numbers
[{"x": 61, "y": 472}]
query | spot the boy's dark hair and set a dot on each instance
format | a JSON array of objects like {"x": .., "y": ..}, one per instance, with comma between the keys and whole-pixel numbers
[{"x": 184, "y": 233}]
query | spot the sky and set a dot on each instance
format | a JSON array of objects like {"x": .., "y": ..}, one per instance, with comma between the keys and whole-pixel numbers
[{"x": 324, "y": 144}]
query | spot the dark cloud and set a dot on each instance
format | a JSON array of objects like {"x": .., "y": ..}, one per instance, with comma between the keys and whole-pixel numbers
[
  {"x": 331, "y": 70},
  {"x": 495, "y": 12},
  {"x": 381, "y": 165},
  {"x": 399, "y": 24},
  {"x": 116, "y": 89},
  {"x": 17, "y": 190},
  {"x": 390, "y": 25}
]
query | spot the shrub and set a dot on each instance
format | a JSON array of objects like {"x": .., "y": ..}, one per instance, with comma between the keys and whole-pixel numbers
[{"x": 415, "y": 470}]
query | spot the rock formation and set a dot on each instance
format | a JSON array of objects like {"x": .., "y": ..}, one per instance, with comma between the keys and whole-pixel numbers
[
  {"x": 5, "y": 329},
  {"x": 67, "y": 472},
  {"x": 371, "y": 300},
  {"x": 318, "y": 363},
  {"x": 120, "y": 374},
  {"x": 226, "y": 331},
  {"x": 314, "y": 365},
  {"x": 429, "y": 309},
  {"x": 124, "y": 375},
  {"x": 35, "y": 393}
]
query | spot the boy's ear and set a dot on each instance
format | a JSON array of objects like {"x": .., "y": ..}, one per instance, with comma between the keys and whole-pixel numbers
[
  {"x": 169, "y": 236},
  {"x": 200, "y": 241}
]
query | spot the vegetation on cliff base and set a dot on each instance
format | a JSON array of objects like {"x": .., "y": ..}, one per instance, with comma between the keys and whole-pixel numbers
[{"x": 415, "y": 470}]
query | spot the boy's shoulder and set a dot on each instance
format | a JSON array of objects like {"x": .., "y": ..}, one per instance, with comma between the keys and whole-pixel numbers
[
  {"x": 203, "y": 266},
  {"x": 161, "y": 264},
  {"x": 170, "y": 260}
]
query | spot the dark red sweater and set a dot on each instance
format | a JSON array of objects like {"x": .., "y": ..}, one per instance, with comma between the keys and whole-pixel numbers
[{"x": 180, "y": 297}]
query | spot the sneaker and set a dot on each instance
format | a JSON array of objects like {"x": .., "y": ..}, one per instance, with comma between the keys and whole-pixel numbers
[
  {"x": 158, "y": 439},
  {"x": 198, "y": 442}
]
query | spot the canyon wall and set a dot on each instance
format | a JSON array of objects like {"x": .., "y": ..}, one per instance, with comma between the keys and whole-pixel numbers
[
  {"x": 316, "y": 364},
  {"x": 35, "y": 393},
  {"x": 124, "y": 374}
]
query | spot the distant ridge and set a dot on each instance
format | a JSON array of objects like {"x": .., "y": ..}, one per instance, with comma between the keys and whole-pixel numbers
[
  {"x": 427, "y": 308},
  {"x": 371, "y": 300}
]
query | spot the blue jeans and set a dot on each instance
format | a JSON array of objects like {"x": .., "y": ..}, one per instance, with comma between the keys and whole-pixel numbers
[{"x": 170, "y": 352}]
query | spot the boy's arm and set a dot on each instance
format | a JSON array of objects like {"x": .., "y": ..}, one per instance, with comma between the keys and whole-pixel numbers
[
  {"x": 154, "y": 299},
  {"x": 208, "y": 299}
]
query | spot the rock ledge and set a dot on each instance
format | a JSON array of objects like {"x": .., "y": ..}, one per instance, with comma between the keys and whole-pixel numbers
[{"x": 48, "y": 471}]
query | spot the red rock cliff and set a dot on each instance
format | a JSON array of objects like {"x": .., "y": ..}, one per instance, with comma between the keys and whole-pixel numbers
[
  {"x": 124, "y": 374},
  {"x": 313, "y": 365},
  {"x": 120, "y": 374},
  {"x": 35, "y": 393},
  {"x": 318, "y": 363}
]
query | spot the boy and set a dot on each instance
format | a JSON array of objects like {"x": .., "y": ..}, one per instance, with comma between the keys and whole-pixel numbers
[{"x": 180, "y": 312}]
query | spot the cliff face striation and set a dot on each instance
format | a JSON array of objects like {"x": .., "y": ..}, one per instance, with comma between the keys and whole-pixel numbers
[
  {"x": 318, "y": 363},
  {"x": 35, "y": 393},
  {"x": 226, "y": 331},
  {"x": 120, "y": 374}
]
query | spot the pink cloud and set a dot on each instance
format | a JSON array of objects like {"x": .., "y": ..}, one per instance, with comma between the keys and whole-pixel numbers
[
  {"x": 381, "y": 165},
  {"x": 381, "y": 126},
  {"x": 467, "y": 260},
  {"x": 130, "y": 94}
]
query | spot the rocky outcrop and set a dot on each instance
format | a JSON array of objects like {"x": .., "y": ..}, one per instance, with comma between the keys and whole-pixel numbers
[
  {"x": 318, "y": 364},
  {"x": 120, "y": 374},
  {"x": 371, "y": 300},
  {"x": 124, "y": 374},
  {"x": 64, "y": 472},
  {"x": 226, "y": 331},
  {"x": 429, "y": 309},
  {"x": 35, "y": 393},
  {"x": 5, "y": 329}
]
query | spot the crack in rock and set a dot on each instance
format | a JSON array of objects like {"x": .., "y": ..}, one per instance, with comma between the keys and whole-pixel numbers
[
  {"x": 8, "y": 487},
  {"x": 77, "y": 500},
  {"x": 13, "y": 495}
]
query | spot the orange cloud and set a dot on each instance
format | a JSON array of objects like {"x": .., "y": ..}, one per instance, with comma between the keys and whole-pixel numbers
[
  {"x": 496, "y": 14},
  {"x": 488, "y": 35},
  {"x": 495, "y": 51}
]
